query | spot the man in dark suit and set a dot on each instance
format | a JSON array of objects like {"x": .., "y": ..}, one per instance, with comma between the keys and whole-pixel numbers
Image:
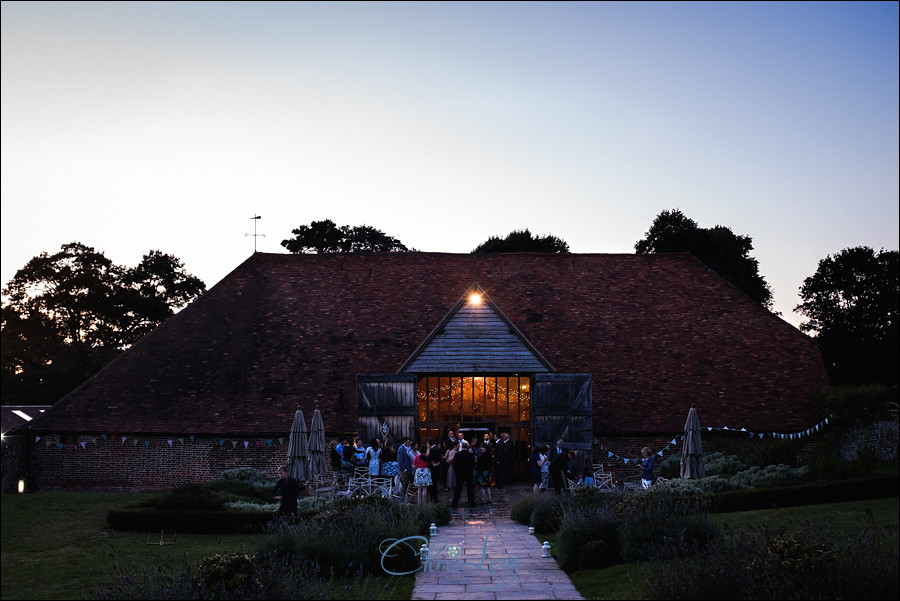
[
  {"x": 503, "y": 458},
  {"x": 434, "y": 460},
  {"x": 464, "y": 468}
]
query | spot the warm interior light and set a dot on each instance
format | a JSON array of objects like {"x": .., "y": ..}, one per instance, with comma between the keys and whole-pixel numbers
[
  {"x": 21, "y": 486},
  {"x": 475, "y": 298}
]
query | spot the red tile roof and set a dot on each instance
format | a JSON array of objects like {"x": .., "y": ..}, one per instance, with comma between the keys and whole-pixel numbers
[{"x": 658, "y": 333}]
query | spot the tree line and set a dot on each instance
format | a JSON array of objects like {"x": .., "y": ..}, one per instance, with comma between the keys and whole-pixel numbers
[{"x": 66, "y": 315}]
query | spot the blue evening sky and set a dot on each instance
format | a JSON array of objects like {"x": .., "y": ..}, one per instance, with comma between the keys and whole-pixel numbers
[{"x": 131, "y": 126}]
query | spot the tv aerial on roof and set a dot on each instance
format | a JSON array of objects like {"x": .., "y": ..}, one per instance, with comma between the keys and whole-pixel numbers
[{"x": 255, "y": 218}]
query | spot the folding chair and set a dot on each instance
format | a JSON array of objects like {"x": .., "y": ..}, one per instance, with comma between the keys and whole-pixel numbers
[{"x": 604, "y": 481}]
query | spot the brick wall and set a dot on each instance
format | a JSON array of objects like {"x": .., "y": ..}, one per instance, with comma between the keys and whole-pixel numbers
[{"x": 111, "y": 465}]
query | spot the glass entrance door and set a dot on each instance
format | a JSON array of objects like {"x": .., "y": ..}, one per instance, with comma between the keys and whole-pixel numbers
[{"x": 474, "y": 404}]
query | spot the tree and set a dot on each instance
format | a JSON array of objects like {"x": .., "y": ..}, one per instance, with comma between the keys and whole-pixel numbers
[
  {"x": 718, "y": 248},
  {"x": 66, "y": 315},
  {"x": 522, "y": 241},
  {"x": 851, "y": 303},
  {"x": 326, "y": 237}
]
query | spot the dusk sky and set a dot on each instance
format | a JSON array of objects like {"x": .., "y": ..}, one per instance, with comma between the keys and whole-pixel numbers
[{"x": 132, "y": 127}]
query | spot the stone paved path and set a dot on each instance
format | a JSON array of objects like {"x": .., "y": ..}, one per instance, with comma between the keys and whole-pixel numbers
[{"x": 483, "y": 554}]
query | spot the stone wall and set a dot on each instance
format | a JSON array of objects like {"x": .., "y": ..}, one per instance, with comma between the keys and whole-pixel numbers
[{"x": 882, "y": 437}]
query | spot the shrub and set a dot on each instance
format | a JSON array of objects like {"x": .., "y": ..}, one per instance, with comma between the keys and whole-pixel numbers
[
  {"x": 546, "y": 513},
  {"x": 521, "y": 510},
  {"x": 705, "y": 486},
  {"x": 311, "y": 505},
  {"x": 587, "y": 538},
  {"x": 433, "y": 513},
  {"x": 251, "y": 506},
  {"x": 226, "y": 572},
  {"x": 346, "y": 538},
  {"x": 194, "y": 497},
  {"x": 856, "y": 405},
  {"x": 722, "y": 464},
  {"x": 150, "y": 519},
  {"x": 770, "y": 476},
  {"x": 815, "y": 562},
  {"x": 651, "y": 524},
  {"x": 670, "y": 467},
  {"x": 248, "y": 474},
  {"x": 773, "y": 452}
]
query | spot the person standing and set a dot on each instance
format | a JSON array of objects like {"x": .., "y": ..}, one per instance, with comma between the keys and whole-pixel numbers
[
  {"x": 286, "y": 490},
  {"x": 558, "y": 468},
  {"x": 559, "y": 448},
  {"x": 404, "y": 464},
  {"x": 535, "y": 462},
  {"x": 422, "y": 477},
  {"x": 434, "y": 461},
  {"x": 373, "y": 458},
  {"x": 646, "y": 467},
  {"x": 449, "y": 454},
  {"x": 484, "y": 473},
  {"x": 503, "y": 459},
  {"x": 464, "y": 469}
]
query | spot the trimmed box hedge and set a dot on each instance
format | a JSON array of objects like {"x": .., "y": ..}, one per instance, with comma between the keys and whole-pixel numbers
[
  {"x": 150, "y": 519},
  {"x": 812, "y": 493}
]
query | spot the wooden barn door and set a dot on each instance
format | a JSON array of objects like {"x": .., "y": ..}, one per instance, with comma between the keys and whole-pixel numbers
[
  {"x": 386, "y": 400},
  {"x": 561, "y": 408}
]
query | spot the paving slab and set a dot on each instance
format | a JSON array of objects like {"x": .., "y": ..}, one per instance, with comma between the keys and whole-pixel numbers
[{"x": 483, "y": 554}]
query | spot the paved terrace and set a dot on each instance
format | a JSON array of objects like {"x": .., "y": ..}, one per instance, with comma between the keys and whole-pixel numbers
[{"x": 483, "y": 554}]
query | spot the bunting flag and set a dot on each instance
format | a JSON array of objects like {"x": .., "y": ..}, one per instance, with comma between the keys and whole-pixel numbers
[{"x": 790, "y": 436}]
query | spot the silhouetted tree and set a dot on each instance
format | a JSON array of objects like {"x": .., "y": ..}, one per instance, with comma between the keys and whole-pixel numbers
[
  {"x": 326, "y": 237},
  {"x": 522, "y": 241},
  {"x": 66, "y": 315},
  {"x": 852, "y": 303},
  {"x": 718, "y": 248}
]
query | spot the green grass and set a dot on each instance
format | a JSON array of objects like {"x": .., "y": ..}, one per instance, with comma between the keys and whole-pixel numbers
[{"x": 57, "y": 546}]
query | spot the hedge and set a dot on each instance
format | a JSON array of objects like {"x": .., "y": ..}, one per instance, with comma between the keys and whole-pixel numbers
[
  {"x": 812, "y": 493},
  {"x": 197, "y": 522}
]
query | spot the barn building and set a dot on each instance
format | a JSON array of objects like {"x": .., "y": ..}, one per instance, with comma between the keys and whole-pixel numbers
[{"x": 603, "y": 351}]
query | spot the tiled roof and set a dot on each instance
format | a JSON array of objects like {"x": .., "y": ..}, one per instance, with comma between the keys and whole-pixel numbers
[
  {"x": 658, "y": 333},
  {"x": 13, "y": 416}
]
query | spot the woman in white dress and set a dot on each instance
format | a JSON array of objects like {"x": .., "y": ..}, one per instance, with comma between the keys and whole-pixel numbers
[{"x": 373, "y": 458}]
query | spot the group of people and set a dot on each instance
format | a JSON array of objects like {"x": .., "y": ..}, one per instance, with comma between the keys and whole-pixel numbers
[
  {"x": 477, "y": 464},
  {"x": 550, "y": 467}
]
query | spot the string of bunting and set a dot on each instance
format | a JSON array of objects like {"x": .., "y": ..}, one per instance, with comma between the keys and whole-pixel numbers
[
  {"x": 760, "y": 435},
  {"x": 157, "y": 443}
]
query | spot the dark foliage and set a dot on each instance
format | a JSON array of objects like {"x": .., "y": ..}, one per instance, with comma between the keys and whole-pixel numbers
[
  {"x": 67, "y": 315},
  {"x": 814, "y": 561},
  {"x": 326, "y": 237},
  {"x": 522, "y": 241},
  {"x": 852, "y": 302},
  {"x": 723, "y": 251}
]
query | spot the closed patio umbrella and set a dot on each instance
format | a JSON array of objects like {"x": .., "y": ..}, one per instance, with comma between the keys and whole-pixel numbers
[
  {"x": 317, "y": 445},
  {"x": 692, "y": 453},
  {"x": 298, "y": 449}
]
